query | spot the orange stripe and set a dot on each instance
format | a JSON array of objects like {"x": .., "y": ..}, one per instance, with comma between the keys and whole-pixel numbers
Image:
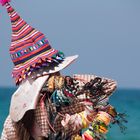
[
  {"x": 15, "y": 23},
  {"x": 37, "y": 39},
  {"x": 22, "y": 45},
  {"x": 31, "y": 53},
  {"x": 19, "y": 26},
  {"x": 15, "y": 17},
  {"x": 19, "y": 29},
  {"x": 13, "y": 49},
  {"x": 33, "y": 62},
  {"x": 21, "y": 48},
  {"x": 27, "y": 36}
]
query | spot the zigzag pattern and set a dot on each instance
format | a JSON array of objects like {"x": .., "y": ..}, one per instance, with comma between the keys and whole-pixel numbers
[{"x": 28, "y": 45}]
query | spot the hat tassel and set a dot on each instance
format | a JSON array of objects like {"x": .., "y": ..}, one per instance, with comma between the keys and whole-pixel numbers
[{"x": 3, "y": 2}]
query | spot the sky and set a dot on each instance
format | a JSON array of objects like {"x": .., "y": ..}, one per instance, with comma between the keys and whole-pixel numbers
[{"x": 104, "y": 33}]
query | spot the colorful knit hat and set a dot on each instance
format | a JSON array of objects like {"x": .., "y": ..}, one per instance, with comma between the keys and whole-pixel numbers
[{"x": 30, "y": 49}]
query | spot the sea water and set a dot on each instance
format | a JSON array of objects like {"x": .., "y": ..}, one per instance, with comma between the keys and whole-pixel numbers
[{"x": 125, "y": 100}]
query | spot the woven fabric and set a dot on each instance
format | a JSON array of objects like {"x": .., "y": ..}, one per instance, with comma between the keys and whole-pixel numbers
[
  {"x": 71, "y": 110},
  {"x": 9, "y": 131},
  {"x": 77, "y": 107},
  {"x": 41, "y": 117},
  {"x": 30, "y": 48},
  {"x": 109, "y": 87},
  {"x": 43, "y": 113}
]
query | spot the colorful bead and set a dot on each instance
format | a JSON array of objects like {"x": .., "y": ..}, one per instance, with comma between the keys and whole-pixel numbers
[{"x": 104, "y": 117}]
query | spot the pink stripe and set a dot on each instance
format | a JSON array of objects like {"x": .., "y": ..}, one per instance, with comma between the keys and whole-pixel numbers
[
  {"x": 14, "y": 13},
  {"x": 15, "y": 25},
  {"x": 26, "y": 26},
  {"x": 20, "y": 67},
  {"x": 14, "y": 43}
]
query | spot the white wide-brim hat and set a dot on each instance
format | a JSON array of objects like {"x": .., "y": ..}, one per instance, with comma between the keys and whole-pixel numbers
[{"x": 26, "y": 96}]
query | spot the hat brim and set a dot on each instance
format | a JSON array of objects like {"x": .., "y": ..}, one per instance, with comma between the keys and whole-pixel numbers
[
  {"x": 53, "y": 69},
  {"x": 66, "y": 62},
  {"x": 26, "y": 96}
]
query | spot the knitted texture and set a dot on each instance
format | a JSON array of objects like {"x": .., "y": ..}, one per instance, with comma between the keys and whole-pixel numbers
[{"x": 30, "y": 48}]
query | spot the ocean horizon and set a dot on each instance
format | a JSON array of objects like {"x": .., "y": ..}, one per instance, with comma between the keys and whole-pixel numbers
[{"x": 124, "y": 100}]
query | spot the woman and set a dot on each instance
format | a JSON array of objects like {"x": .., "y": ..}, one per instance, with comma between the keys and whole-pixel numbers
[
  {"x": 62, "y": 118},
  {"x": 48, "y": 105}
]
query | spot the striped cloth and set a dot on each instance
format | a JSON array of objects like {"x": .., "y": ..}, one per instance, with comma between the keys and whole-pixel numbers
[
  {"x": 109, "y": 87},
  {"x": 9, "y": 131},
  {"x": 29, "y": 47}
]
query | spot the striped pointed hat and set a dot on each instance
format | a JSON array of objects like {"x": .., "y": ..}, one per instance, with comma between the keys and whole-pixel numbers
[{"x": 30, "y": 50}]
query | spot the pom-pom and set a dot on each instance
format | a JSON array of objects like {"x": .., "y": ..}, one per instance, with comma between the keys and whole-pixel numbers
[{"x": 3, "y": 2}]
